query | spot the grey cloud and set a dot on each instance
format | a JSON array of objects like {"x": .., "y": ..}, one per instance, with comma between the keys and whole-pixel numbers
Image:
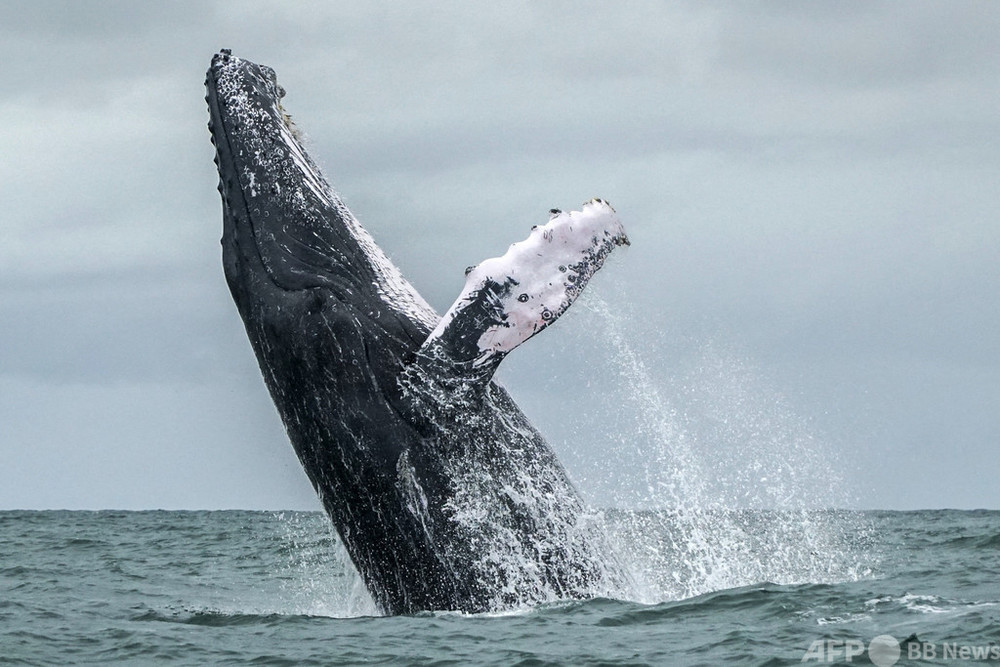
[
  {"x": 121, "y": 327},
  {"x": 862, "y": 44},
  {"x": 810, "y": 185}
]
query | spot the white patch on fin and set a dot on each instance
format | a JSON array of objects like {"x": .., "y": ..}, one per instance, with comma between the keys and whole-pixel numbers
[{"x": 512, "y": 297}]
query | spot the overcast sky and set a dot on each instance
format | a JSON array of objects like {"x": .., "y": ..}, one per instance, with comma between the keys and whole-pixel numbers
[{"x": 807, "y": 313}]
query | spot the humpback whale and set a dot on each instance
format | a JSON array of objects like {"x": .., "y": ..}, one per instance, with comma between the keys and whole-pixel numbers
[{"x": 443, "y": 493}]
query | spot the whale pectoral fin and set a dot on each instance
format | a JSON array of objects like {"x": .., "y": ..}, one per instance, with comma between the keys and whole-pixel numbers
[{"x": 509, "y": 299}]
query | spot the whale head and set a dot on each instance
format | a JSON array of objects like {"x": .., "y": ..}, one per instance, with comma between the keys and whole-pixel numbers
[{"x": 284, "y": 226}]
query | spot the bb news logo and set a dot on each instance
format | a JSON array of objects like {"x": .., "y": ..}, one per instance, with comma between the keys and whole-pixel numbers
[{"x": 885, "y": 651}]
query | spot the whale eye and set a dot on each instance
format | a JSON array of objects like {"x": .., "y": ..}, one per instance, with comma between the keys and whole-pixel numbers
[
  {"x": 523, "y": 298},
  {"x": 470, "y": 269},
  {"x": 562, "y": 269},
  {"x": 546, "y": 314}
]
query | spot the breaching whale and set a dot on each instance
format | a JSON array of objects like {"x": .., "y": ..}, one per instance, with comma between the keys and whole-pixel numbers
[{"x": 444, "y": 495}]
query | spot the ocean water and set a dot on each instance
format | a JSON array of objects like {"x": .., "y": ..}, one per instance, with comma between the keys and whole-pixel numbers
[
  {"x": 789, "y": 583},
  {"x": 712, "y": 587}
]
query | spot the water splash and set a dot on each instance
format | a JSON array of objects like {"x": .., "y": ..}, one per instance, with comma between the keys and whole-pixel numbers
[
  {"x": 316, "y": 573},
  {"x": 514, "y": 526},
  {"x": 729, "y": 488},
  {"x": 732, "y": 487}
]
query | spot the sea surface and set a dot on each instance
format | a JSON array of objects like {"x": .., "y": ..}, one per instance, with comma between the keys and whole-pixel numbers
[{"x": 711, "y": 588}]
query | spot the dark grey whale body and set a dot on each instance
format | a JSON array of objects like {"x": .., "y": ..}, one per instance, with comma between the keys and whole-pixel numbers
[{"x": 443, "y": 493}]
